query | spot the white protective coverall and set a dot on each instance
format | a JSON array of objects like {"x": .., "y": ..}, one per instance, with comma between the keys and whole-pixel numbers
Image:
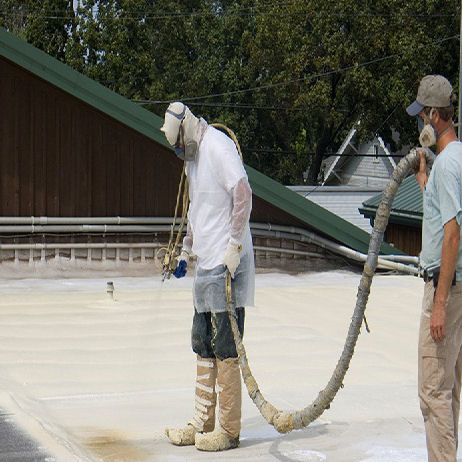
[
  {"x": 218, "y": 222},
  {"x": 219, "y": 212}
]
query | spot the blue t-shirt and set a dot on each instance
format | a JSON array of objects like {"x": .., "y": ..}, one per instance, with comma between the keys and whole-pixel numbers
[{"x": 442, "y": 203}]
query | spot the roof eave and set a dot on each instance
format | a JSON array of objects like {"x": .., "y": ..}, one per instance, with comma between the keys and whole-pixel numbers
[{"x": 402, "y": 218}]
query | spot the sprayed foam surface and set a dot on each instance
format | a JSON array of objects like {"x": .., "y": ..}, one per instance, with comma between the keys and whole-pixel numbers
[{"x": 92, "y": 378}]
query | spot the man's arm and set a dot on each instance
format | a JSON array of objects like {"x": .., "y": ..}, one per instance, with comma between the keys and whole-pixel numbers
[
  {"x": 449, "y": 256},
  {"x": 242, "y": 205}
]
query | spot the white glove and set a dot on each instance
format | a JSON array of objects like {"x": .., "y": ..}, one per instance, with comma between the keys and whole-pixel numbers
[
  {"x": 184, "y": 255},
  {"x": 232, "y": 258}
]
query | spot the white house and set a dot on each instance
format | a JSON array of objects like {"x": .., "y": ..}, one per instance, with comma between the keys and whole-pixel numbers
[
  {"x": 369, "y": 164},
  {"x": 353, "y": 175}
]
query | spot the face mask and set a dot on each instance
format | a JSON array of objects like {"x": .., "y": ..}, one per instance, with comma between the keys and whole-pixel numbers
[
  {"x": 190, "y": 150},
  {"x": 428, "y": 133},
  {"x": 427, "y": 136},
  {"x": 179, "y": 151},
  {"x": 185, "y": 151}
]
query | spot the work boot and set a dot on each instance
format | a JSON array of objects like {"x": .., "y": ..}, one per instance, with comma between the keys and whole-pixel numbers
[
  {"x": 184, "y": 436},
  {"x": 229, "y": 415},
  {"x": 205, "y": 402}
]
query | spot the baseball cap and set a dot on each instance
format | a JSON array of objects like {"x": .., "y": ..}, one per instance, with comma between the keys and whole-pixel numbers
[{"x": 434, "y": 91}]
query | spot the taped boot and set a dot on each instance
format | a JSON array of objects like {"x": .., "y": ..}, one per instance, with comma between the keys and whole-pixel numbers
[
  {"x": 205, "y": 402},
  {"x": 229, "y": 415}
]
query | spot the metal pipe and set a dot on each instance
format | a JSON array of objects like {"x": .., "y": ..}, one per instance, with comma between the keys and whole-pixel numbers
[
  {"x": 82, "y": 245},
  {"x": 87, "y": 220},
  {"x": 33, "y": 229},
  {"x": 401, "y": 258},
  {"x": 287, "y": 251},
  {"x": 163, "y": 224},
  {"x": 86, "y": 224},
  {"x": 289, "y": 232}
]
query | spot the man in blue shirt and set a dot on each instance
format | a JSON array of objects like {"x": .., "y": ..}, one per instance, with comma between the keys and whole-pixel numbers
[{"x": 440, "y": 337}]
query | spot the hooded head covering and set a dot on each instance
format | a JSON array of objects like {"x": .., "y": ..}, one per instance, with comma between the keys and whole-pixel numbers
[
  {"x": 183, "y": 130},
  {"x": 176, "y": 115}
]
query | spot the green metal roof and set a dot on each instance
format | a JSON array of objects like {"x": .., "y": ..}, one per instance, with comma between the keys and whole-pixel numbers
[
  {"x": 407, "y": 205},
  {"x": 147, "y": 123}
]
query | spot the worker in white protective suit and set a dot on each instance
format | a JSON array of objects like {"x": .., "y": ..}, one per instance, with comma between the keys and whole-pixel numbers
[{"x": 218, "y": 233}]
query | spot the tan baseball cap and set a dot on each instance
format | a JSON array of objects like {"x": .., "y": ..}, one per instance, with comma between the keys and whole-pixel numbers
[{"x": 434, "y": 91}]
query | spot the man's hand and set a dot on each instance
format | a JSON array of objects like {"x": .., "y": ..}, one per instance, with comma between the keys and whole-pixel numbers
[
  {"x": 438, "y": 322},
  {"x": 182, "y": 266},
  {"x": 421, "y": 174}
]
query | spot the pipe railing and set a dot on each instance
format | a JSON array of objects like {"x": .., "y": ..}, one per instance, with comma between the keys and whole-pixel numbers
[{"x": 105, "y": 225}]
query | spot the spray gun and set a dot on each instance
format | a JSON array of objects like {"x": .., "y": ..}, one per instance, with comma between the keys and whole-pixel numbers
[{"x": 168, "y": 262}]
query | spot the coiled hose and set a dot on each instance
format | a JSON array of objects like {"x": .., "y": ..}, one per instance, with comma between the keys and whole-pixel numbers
[{"x": 286, "y": 421}]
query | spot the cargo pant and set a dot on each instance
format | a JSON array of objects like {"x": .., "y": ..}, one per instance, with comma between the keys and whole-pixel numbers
[{"x": 439, "y": 376}]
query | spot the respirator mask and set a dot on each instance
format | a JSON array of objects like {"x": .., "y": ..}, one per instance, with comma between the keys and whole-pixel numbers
[
  {"x": 427, "y": 132},
  {"x": 185, "y": 151}
]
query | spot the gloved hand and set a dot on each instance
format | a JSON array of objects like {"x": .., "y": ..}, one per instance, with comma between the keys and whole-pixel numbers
[
  {"x": 232, "y": 258},
  {"x": 182, "y": 266}
]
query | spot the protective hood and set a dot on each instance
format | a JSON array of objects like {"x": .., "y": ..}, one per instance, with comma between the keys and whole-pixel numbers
[{"x": 176, "y": 115}]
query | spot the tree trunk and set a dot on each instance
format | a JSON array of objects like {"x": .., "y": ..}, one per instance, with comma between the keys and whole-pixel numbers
[{"x": 317, "y": 158}]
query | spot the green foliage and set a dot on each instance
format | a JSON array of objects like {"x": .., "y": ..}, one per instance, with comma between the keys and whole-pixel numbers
[
  {"x": 44, "y": 23},
  {"x": 314, "y": 68}
]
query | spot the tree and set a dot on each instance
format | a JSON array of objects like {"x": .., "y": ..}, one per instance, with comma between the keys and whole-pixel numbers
[
  {"x": 349, "y": 61},
  {"x": 45, "y": 24},
  {"x": 290, "y": 78}
]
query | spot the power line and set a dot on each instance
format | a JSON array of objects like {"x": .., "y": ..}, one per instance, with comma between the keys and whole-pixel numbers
[
  {"x": 234, "y": 106},
  {"x": 300, "y": 79},
  {"x": 310, "y": 153},
  {"x": 244, "y": 11}
]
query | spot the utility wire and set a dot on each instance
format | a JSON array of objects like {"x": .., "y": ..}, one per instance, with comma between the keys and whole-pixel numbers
[
  {"x": 300, "y": 79},
  {"x": 243, "y": 11},
  {"x": 233, "y": 106}
]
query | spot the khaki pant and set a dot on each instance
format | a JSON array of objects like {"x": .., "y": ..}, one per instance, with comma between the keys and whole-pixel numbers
[{"x": 440, "y": 368}]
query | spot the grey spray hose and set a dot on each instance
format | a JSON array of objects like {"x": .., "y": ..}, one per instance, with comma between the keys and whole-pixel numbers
[{"x": 286, "y": 421}]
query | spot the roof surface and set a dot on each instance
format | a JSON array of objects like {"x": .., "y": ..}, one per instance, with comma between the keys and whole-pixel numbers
[
  {"x": 407, "y": 205},
  {"x": 342, "y": 200},
  {"x": 147, "y": 123}
]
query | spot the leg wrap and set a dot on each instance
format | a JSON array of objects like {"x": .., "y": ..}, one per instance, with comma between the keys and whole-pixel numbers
[
  {"x": 230, "y": 396},
  {"x": 206, "y": 398}
]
